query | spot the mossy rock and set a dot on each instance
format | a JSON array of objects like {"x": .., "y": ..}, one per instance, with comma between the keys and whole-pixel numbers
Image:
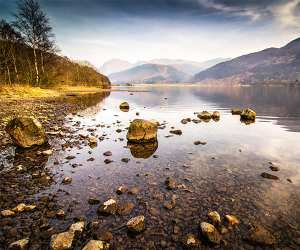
[{"x": 141, "y": 131}]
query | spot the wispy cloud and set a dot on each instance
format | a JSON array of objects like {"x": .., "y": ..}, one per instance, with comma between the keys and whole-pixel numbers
[
  {"x": 253, "y": 12},
  {"x": 287, "y": 14}
]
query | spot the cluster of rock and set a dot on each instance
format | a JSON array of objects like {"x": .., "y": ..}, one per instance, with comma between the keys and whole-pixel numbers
[{"x": 207, "y": 116}]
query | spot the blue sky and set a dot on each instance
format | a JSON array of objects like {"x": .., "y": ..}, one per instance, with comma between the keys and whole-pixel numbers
[{"x": 99, "y": 30}]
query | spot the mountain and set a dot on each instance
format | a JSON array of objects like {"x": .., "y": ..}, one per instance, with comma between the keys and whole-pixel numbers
[
  {"x": 272, "y": 65},
  {"x": 149, "y": 73},
  {"x": 115, "y": 65},
  {"x": 188, "y": 67}
]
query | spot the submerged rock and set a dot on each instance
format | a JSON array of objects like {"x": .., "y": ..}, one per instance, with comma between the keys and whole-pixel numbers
[
  {"x": 210, "y": 233},
  {"x": 261, "y": 236},
  {"x": 26, "y": 132},
  {"x": 125, "y": 208},
  {"x": 23, "y": 208},
  {"x": 200, "y": 143},
  {"x": 19, "y": 245},
  {"x": 236, "y": 111},
  {"x": 269, "y": 176},
  {"x": 96, "y": 245},
  {"x": 141, "y": 131},
  {"x": 108, "y": 207},
  {"x": 136, "y": 224},
  {"x": 67, "y": 180},
  {"x": 248, "y": 114}
]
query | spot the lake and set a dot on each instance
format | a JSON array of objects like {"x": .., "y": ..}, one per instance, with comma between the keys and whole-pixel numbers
[{"x": 223, "y": 175}]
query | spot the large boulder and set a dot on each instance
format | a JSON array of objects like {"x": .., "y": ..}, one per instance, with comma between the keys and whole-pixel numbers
[
  {"x": 141, "y": 131},
  {"x": 248, "y": 114},
  {"x": 26, "y": 132}
]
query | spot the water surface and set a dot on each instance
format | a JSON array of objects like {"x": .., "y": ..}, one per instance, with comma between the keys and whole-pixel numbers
[{"x": 223, "y": 175}]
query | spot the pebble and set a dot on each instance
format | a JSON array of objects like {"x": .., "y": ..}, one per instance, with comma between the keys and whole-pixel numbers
[
  {"x": 210, "y": 232},
  {"x": 231, "y": 219},
  {"x": 19, "y": 245},
  {"x": 215, "y": 217},
  {"x": 109, "y": 207},
  {"x": 269, "y": 176},
  {"x": 170, "y": 183},
  {"x": 136, "y": 224},
  {"x": 96, "y": 245}
]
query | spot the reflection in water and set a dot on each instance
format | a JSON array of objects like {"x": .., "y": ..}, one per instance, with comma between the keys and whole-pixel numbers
[{"x": 142, "y": 150}]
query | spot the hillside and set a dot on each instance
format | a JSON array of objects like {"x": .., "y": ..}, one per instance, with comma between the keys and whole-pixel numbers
[
  {"x": 16, "y": 67},
  {"x": 149, "y": 73},
  {"x": 272, "y": 65}
]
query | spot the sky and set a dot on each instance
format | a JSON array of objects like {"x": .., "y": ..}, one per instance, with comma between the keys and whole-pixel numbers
[{"x": 137, "y": 30}]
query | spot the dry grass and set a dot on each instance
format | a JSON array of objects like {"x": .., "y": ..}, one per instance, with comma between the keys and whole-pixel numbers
[{"x": 15, "y": 92}]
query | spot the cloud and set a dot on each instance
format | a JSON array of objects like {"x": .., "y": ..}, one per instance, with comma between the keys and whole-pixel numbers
[
  {"x": 287, "y": 14},
  {"x": 253, "y": 12}
]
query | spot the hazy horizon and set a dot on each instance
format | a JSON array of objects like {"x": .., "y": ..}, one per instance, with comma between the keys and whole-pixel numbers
[{"x": 196, "y": 30}]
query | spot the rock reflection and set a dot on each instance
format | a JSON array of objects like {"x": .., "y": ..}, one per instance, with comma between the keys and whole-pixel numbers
[{"x": 142, "y": 150}]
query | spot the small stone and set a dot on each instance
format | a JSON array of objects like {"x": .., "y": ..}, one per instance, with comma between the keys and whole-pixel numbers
[
  {"x": 210, "y": 233},
  {"x": 47, "y": 152},
  {"x": 93, "y": 140},
  {"x": 23, "y": 207},
  {"x": 60, "y": 213},
  {"x": 77, "y": 227},
  {"x": 261, "y": 236},
  {"x": 96, "y": 245},
  {"x": 170, "y": 204},
  {"x": 236, "y": 111},
  {"x": 269, "y": 176},
  {"x": 204, "y": 115},
  {"x": 121, "y": 190},
  {"x": 134, "y": 191},
  {"x": 170, "y": 183},
  {"x": 274, "y": 168},
  {"x": 107, "y": 153},
  {"x": 109, "y": 207},
  {"x": 7, "y": 213},
  {"x": 191, "y": 241},
  {"x": 136, "y": 224},
  {"x": 215, "y": 217},
  {"x": 125, "y": 208},
  {"x": 93, "y": 201},
  {"x": 248, "y": 114},
  {"x": 124, "y": 106},
  {"x": 70, "y": 157},
  {"x": 108, "y": 161},
  {"x": 67, "y": 180},
  {"x": 199, "y": 143},
  {"x": 19, "y": 245},
  {"x": 215, "y": 116},
  {"x": 62, "y": 241},
  {"x": 126, "y": 160},
  {"x": 232, "y": 220},
  {"x": 176, "y": 132}
]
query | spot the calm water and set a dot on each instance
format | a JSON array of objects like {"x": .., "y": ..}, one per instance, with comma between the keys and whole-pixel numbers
[{"x": 223, "y": 175}]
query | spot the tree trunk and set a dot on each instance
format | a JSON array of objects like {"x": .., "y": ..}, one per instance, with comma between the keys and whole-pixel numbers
[
  {"x": 42, "y": 62},
  {"x": 37, "y": 79},
  {"x": 16, "y": 69},
  {"x": 8, "y": 74}
]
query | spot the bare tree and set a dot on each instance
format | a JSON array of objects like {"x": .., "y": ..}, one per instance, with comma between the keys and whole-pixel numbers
[
  {"x": 9, "y": 39},
  {"x": 33, "y": 24}
]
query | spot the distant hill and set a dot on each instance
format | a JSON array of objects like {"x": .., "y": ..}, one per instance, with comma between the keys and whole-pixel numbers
[
  {"x": 188, "y": 67},
  {"x": 272, "y": 65},
  {"x": 149, "y": 73}
]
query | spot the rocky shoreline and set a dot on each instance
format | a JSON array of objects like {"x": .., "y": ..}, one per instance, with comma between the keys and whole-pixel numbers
[{"x": 23, "y": 173}]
